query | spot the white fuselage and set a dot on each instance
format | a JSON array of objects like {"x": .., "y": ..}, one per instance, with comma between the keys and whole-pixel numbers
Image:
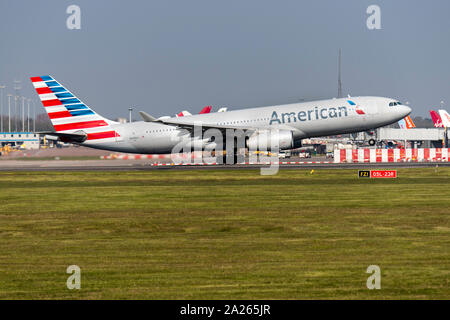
[{"x": 305, "y": 120}]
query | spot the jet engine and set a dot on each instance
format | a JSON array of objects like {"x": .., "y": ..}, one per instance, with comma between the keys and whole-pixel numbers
[{"x": 273, "y": 140}]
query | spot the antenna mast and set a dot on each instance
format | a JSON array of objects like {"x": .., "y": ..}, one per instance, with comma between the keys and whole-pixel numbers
[{"x": 339, "y": 76}]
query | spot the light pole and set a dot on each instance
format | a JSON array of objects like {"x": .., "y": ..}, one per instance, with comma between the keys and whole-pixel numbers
[
  {"x": 28, "y": 115},
  {"x": 17, "y": 88},
  {"x": 130, "y": 109},
  {"x": 34, "y": 116},
  {"x": 23, "y": 114},
  {"x": 15, "y": 113},
  {"x": 9, "y": 112},
  {"x": 1, "y": 107}
]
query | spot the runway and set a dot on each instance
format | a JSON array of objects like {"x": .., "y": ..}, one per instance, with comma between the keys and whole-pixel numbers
[{"x": 127, "y": 165}]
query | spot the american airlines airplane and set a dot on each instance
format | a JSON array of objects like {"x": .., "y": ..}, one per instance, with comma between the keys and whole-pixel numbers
[{"x": 284, "y": 125}]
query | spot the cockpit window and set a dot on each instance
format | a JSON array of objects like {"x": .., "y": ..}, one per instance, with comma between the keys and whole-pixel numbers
[
  {"x": 396, "y": 103},
  {"x": 399, "y": 103}
]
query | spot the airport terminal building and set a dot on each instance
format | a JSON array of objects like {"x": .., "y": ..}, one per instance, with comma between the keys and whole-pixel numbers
[{"x": 25, "y": 140}]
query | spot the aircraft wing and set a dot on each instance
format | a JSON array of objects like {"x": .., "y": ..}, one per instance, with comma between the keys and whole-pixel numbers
[
  {"x": 189, "y": 125},
  {"x": 66, "y": 137}
]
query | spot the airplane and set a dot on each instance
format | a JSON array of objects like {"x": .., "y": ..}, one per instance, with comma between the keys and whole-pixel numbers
[
  {"x": 284, "y": 125},
  {"x": 437, "y": 121}
]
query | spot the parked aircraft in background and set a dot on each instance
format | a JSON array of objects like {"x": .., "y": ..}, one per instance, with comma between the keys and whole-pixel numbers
[
  {"x": 445, "y": 118},
  {"x": 437, "y": 121},
  {"x": 206, "y": 109},
  {"x": 183, "y": 113},
  {"x": 406, "y": 123}
]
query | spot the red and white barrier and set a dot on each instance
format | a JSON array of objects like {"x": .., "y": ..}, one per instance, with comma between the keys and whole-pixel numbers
[
  {"x": 123, "y": 156},
  {"x": 391, "y": 155},
  {"x": 136, "y": 156},
  {"x": 158, "y": 164}
]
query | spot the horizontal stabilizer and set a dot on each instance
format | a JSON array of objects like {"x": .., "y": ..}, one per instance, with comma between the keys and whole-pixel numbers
[{"x": 66, "y": 137}]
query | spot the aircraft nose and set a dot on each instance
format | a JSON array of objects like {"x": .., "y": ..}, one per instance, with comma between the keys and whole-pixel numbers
[{"x": 404, "y": 110}]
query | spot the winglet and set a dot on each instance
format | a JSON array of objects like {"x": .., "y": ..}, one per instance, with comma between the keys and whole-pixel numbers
[{"x": 146, "y": 116}]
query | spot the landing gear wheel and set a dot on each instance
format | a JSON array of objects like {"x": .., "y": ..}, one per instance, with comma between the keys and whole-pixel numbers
[{"x": 224, "y": 159}]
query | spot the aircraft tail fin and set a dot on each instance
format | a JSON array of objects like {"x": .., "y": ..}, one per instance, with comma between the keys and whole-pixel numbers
[
  {"x": 409, "y": 122},
  {"x": 406, "y": 123},
  {"x": 67, "y": 113},
  {"x": 69, "y": 116},
  {"x": 206, "y": 109},
  {"x": 437, "y": 121},
  {"x": 445, "y": 117},
  {"x": 184, "y": 113}
]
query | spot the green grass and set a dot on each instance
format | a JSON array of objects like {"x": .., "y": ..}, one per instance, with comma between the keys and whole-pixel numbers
[{"x": 224, "y": 234}]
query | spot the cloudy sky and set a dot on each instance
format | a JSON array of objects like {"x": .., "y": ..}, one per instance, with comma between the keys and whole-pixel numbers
[{"x": 167, "y": 56}]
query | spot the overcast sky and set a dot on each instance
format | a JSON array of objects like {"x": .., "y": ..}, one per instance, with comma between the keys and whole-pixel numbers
[{"x": 167, "y": 56}]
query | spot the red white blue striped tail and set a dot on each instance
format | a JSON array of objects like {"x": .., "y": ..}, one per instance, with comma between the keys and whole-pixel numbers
[{"x": 69, "y": 114}]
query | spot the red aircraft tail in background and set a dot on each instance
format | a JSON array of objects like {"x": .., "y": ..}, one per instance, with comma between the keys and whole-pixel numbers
[
  {"x": 206, "y": 109},
  {"x": 437, "y": 120},
  {"x": 184, "y": 113}
]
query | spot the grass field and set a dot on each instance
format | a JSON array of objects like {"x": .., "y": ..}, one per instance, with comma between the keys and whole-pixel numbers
[{"x": 224, "y": 234}]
